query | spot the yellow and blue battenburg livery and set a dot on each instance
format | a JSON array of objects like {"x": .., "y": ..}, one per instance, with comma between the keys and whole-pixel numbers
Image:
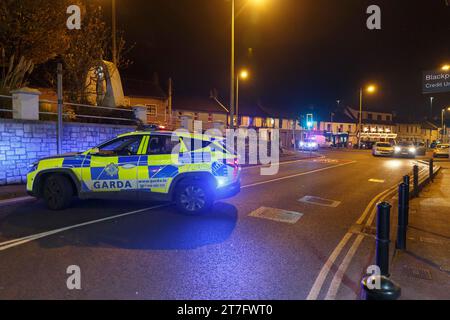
[{"x": 143, "y": 165}]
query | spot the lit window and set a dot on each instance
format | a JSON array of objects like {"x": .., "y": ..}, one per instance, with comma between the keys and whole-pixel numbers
[{"x": 152, "y": 111}]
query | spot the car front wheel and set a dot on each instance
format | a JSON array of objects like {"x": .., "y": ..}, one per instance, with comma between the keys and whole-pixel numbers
[
  {"x": 58, "y": 192},
  {"x": 194, "y": 198}
]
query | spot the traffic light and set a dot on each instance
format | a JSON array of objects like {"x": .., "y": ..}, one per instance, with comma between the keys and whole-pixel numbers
[{"x": 310, "y": 121}]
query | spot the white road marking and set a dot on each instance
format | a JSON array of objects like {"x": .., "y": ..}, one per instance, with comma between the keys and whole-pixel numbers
[
  {"x": 281, "y": 163},
  {"x": 317, "y": 286},
  {"x": 8, "y": 202},
  {"x": 376, "y": 180},
  {"x": 337, "y": 279},
  {"x": 297, "y": 175},
  {"x": 277, "y": 215},
  {"x": 17, "y": 242},
  {"x": 320, "y": 201}
]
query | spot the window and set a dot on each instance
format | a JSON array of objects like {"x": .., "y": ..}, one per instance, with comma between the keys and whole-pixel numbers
[
  {"x": 370, "y": 116},
  {"x": 126, "y": 146},
  {"x": 161, "y": 145},
  {"x": 152, "y": 111},
  {"x": 388, "y": 118},
  {"x": 350, "y": 128},
  {"x": 329, "y": 127},
  {"x": 379, "y": 117}
]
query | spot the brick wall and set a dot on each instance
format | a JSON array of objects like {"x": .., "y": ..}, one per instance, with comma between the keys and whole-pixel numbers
[{"x": 23, "y": 142}]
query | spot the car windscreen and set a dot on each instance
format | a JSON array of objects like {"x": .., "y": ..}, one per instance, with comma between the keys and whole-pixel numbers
[
  {"x": 383, "y": 145},
  {"x": 405, "y": 144},
  {"x": 443, "y": 147}
]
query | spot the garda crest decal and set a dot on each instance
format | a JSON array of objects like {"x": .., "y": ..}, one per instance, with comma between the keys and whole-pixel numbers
[{"x": 112, "y": 170}]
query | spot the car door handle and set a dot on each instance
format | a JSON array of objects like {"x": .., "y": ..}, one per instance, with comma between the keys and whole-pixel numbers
[{"x": 128, "y": 166}]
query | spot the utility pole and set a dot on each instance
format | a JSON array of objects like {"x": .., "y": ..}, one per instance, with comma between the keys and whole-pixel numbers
[{"x": 431, "y": 108}]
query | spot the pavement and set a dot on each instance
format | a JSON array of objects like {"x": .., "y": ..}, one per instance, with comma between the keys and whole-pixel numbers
[
  {"x": 423, "y": 270},
  {"x": 305, "y": 233}
]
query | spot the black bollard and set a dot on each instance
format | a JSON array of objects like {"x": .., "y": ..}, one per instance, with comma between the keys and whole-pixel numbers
[
  {"x": 403, "y": 210},
  {"x": 416, "y": 180},
  {"x": 431, "y": 170},
  {"x": 383, "y": 237},
  {"x": 387, "y": 290},
  {"x": 407, "y": 180}
]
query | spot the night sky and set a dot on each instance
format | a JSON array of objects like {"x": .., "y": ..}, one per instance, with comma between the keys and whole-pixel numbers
[{"x": 302, "y": 54}]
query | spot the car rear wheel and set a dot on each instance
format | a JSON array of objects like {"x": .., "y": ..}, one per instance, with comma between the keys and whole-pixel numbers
[
  {"x": 194, "y": 198},
  {"x": 58, "y": 192}
]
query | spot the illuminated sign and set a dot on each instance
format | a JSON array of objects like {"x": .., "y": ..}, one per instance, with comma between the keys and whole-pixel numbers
[{"x": 436, "y": 81}]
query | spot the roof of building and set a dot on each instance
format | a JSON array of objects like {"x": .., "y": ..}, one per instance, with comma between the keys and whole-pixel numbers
[
  {"x": 197, "y": 104},
  {"x": 139, "y": 88}
]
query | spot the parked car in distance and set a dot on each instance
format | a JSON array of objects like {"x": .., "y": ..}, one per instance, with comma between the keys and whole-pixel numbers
[
  {"x": 421, "y": 149},
  {"x": 405, "y": 149},
  {"x": 382, "y": 149},
  {"x": 442, "y": 151}
]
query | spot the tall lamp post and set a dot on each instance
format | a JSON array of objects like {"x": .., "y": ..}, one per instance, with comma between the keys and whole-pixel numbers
[
  {"x": 232, "y": 64},
  {"x": 114, "y": 33},
  {"x": 232, "y": 98},
  {"x": 444, "y": 129},
  {"x": 370, "y": 89},
  {"x": 244, "y": 76}
]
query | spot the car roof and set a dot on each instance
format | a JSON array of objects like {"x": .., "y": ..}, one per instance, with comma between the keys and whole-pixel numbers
[{"x": 169, "y": 134}]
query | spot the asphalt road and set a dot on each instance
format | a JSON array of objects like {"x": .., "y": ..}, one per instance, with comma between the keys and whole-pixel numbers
[{"x": 152, "y": 252}]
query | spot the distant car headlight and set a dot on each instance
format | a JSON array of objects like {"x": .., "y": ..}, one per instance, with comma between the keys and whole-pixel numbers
[
  {"x": 412, "y": 150},
  {"x": 397, "y": 149},
  {"x": 302, "y": 144}
]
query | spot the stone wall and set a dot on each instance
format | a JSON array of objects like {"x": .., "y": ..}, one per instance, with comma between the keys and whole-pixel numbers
[{"x": 24, "y": 142}]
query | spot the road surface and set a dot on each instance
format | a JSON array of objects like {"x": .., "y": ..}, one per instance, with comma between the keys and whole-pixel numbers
[{"x": 135, "y": 250}]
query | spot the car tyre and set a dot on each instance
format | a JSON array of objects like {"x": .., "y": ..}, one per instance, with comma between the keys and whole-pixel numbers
[
  {"x": 194, "y": 198},
  {"x": 58, "y": 192}
]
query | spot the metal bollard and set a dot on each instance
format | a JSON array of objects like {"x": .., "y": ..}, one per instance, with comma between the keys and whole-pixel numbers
[
  {"x": 407, "y": 180},
  {"x": 416, "y": 180},
  {"x": 383, "y": 237},
  {"x": 388, "y": 290},
  {"x": 431, "y": 170},
  {"x": 403, "y": 211}
]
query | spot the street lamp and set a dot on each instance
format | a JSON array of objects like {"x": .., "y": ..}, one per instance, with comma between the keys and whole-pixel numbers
[
  {"x": 443, "y": 123},
  {"x": 445, "y": 67},
  {"x": 232, "y": 64},
  {"x": 369, "y": 89},
  {"x": 114, "y": 33},
  {"x": 244, "y": 76}
]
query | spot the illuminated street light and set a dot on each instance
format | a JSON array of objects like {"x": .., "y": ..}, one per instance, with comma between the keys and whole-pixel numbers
[
  {"x": 446, "y": 67},
  {"x": 232, "y": 64},
  {"x": 244, "y": 74},
  {"x": 371, "y": 89}
]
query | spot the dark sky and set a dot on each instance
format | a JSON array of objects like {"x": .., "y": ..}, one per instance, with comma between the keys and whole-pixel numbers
[{"x": 303, "y": 52}]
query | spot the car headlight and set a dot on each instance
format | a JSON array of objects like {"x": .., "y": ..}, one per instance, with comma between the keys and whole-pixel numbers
[
  {"x": 302, "y": 144},
  {"x": 412, "y": 150},
  {"x": 398, "y": 149}
]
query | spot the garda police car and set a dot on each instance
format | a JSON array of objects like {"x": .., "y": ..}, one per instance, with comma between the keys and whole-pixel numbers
[{"x": 191, "y": 170}]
